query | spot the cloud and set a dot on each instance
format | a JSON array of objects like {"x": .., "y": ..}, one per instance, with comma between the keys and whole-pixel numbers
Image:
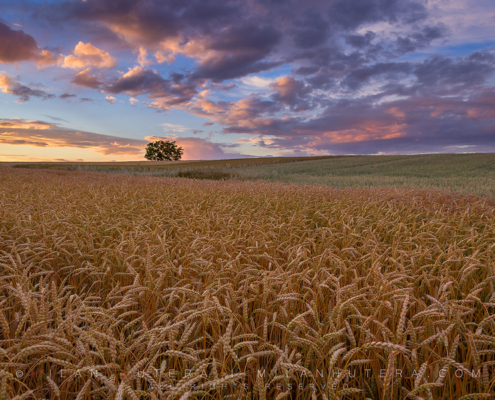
[
  {"x": 172, "y": 127},
  {"x": 338, "y": 73},
  {"x": 310, "y": 30},
  {"x": 67, "y": 96},
  {"x": 110, "y": 99},
  {"x": 43, "y": 134},
  {"x": 83, "y": 78},
  {"x": 419, "y": 40},
  {"x": 9, "y": 85},
  {"x": 360, "y": 41},
  {"x": 18, "y": 123},
  {"x": 46, "y": 58},
  {"x": 148, "y": 22},
  {"x": 430, "y": 106},
  {"x": 15, "y": 45},
  {"x": 359, "y": 12},
  {"x": 238, "y": 51},
  {"x": 143, "y": 57},
  {"x": 257, "y": 81},
  {"x": 291, "y": 92},
  {"x": 471, "y": 21},
  {"x": 55, "y": 118},
  {"x": 467, "y": 71},
  {"x": 246, "y": 115},
  {"x": 87, "y": 55},
  {"x": 433, "y": 73},
  {"x": 389, "y": 72},
  {"x": 164, "y": 93}
]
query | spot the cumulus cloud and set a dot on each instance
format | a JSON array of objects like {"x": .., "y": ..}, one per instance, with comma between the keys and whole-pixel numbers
[
  {"x": 46, "y": 58},
  {"x": 16, "y": 45},
  {"x": 110, "y": 99},
  {"x": 84, "y": 78},
  {"x": 87, "y": 55},
  {"x": 9, "y": 85},
  {"x": 291, "y": 92},
  {"x": 164, "y": 93},
  {"x": 143, "y": 59}
]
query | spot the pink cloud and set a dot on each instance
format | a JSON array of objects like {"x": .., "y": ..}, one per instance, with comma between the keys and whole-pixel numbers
[
  {"x": 42, "y": 134},
  {"x": 87, "y": 55},
  {"x": 83, "y": 78},
  {"x": 17, "y": 123}
]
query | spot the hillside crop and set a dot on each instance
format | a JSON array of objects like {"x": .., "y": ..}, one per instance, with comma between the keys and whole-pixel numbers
[
  {"x": 124, "y": 287},
  {"x": 471, "y": 173}
]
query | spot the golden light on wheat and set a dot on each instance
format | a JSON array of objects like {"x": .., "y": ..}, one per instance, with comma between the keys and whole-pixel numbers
[{"x": 118, "y": 287}]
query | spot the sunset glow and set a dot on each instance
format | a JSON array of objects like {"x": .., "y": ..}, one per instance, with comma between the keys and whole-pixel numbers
[{"x": 96, "y": 80}]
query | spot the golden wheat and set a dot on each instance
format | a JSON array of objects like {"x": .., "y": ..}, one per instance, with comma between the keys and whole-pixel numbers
[{"x": 119, "y": 287}]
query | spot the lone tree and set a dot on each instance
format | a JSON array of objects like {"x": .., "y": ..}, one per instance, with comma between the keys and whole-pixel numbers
[{"x": 163, "y": 150}]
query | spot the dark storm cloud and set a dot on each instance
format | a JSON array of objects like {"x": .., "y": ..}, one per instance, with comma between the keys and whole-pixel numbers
[{"x": 15, "y": 45}]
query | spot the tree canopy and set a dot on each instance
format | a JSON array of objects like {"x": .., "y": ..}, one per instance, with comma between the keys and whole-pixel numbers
[{"x": 163, "y": 150}]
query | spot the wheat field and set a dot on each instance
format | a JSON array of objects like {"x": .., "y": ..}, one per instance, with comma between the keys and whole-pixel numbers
[
  {"x": 134, "y": 287},
  {"x": 471, "y": 173}
]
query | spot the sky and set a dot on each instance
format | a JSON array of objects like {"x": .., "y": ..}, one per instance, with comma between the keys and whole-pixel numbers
[{"x": 96, "y": 80}]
